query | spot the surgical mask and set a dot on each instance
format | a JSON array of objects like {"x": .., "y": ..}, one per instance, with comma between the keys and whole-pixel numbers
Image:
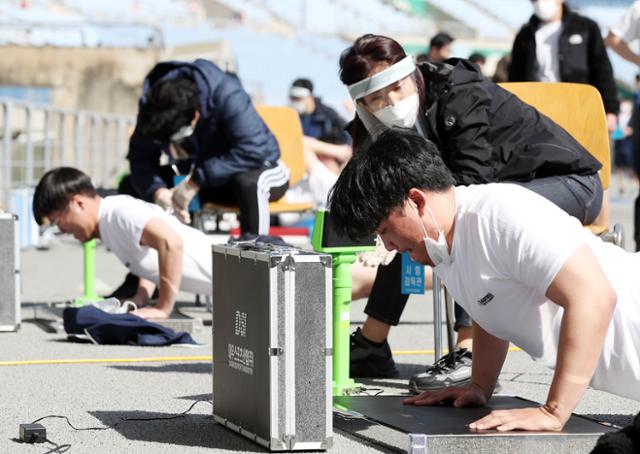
[
  {"x": 545, "y": 9},
  {"x": 438, "y": 250},
  {"x": 299, "y": 106},
  {"x": 182, "y": 133},
  {"x": 402, "y": 114}
]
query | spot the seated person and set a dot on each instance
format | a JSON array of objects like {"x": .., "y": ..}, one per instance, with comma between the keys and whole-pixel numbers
[
  {"x": 525, "y": 271},
  {"x": 151, "y": 243},
  {"x": 206, "y": 123}
]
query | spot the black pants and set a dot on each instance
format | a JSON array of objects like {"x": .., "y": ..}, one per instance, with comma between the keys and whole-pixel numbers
[
  {"x": 578, "y": 195},
  {"x": 251, "y": 191}
]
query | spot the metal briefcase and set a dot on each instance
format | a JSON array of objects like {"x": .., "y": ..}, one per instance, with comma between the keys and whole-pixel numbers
[
  {"x": 272, "y": 341},
  {"x": 9, "y": 273}
]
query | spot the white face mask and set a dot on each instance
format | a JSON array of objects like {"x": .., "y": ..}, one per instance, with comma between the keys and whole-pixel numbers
[
  {"x": 183, "y": 133},
  {"x": 299, "y": 106},
  {"x": 545, "y": 9},
  {"x": 402, "y": 114},
  {"x": 438, "y": 250}
]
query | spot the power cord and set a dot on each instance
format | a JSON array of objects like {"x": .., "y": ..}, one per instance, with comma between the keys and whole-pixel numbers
[{"x": 31, "y": 437}]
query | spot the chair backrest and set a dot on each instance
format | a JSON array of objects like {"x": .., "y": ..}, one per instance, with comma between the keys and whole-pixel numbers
[
  {"x": 577, "y": 108},
  {"x": 284, "y": 123}
]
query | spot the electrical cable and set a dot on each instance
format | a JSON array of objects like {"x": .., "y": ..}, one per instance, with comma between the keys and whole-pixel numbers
[{"x": 65, "y": 447}]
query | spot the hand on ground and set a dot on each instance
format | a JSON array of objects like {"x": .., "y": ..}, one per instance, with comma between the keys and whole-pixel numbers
[
  {"x": 461, "y": 396},
  {"x": 151, "y": 312},
  {"x": 519, "y": 419}
]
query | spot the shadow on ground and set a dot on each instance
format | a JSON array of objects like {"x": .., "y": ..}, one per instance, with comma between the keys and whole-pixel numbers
[{"x": 187, "y": 430}]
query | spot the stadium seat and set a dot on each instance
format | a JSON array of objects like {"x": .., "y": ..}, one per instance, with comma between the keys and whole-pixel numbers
[
  {"x": 284, "y": 123},
  {"x": 579, "y": 110}
]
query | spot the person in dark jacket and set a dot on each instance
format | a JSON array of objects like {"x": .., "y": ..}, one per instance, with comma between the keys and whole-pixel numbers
[
  {"x": 559, "y": 45},
  {"x": 323, "y": 128},
  {"x": 203, "y": 119},
  {"x": 485, "y": 134}
]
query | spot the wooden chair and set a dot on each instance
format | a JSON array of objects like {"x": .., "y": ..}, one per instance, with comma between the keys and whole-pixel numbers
[
  {"x": 579, "y": 110},
  {"x": 284, "y": 123}
]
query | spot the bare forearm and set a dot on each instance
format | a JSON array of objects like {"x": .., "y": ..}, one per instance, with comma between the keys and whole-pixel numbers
[
  {"x": 170, "y": 264},
  {"x": 144, "y": 292},
  {"x": 339, "y": 152},
  {"x": 489, "y": 354},
  {"x": 578, "y": 355},
  {"x": 622, "y": 48}
]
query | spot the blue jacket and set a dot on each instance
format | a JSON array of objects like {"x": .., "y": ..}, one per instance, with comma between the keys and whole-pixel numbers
[{"x": 229, "y": 138}]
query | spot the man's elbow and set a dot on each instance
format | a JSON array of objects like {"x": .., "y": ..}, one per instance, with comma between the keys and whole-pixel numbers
[
  {"x": 173, "y": 244},
  {"x": 607, "y": 298}
]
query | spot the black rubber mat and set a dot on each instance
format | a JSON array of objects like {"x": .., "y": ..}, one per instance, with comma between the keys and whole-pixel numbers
[{"x": 447, "y": 420}]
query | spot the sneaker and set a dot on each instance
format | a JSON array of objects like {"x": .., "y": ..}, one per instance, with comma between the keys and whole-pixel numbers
[
  {"x": 127, "y": 289},
  {"x": 453, "y": 369},
  {"x": 370, "y": 361}
]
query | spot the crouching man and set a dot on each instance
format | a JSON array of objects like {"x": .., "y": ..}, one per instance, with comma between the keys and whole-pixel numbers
[
  {"x": 524, "y": 270},
  {"x": 151, "y": 243}
]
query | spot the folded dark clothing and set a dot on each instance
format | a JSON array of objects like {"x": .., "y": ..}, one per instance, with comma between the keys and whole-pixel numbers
[
  {"x": 623, "y": 441},
  {"x": 120, "y": 329}
]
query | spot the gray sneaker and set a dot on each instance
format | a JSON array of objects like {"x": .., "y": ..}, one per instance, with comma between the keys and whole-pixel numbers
[{"x": 453, "y": 369}]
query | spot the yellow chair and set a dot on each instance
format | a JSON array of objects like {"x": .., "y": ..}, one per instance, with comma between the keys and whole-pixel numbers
[
  {"x": 284, "y": 123},
  {"x": 579, "y": 110}
]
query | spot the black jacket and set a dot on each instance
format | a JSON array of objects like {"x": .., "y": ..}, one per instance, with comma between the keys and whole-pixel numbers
[
  {"x": 229, "y": 138},
  {"x": 581, "y": 52},
  {"x": 486, "y": 134},
  {"x": 328, "y": 124}
]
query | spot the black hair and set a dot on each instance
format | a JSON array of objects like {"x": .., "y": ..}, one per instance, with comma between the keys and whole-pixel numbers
[
  {"x": 477, "y": 57},
  {"x": 304, "y": 83},
  {"x": 440, "y": 40},
  {"x": 377, "y": 180},
  {"x": 56, "y": 188},
  {"x": 171, "y": 105}
]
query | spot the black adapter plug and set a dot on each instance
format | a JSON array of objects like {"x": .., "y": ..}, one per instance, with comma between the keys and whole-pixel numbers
[{"x": 33, "y": 433}]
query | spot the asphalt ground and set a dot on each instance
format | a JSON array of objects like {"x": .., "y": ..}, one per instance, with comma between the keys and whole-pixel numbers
[{"x": 41, "y": 373}]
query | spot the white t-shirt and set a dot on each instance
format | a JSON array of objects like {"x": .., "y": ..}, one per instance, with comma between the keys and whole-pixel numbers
[
  {"x": 122, "y": 220},
  {"x": 547, "y": 37},
  {"x": 506, "y": 254},
  {"x": 629, "y": 26}
]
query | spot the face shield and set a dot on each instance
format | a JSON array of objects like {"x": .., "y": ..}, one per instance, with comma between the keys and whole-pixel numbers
[{"x": 388, "y": 99}]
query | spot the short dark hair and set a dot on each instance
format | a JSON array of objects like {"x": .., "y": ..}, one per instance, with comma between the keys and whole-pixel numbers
[
  {"x": 304, "y": 83},
  {"x": 171, "y": 104},
  {"x": 440, "y": 40},
  {"x": 477, "y": 57},
  {"x": 56, "y": 188},
  {"x": 377, "y": 180}
]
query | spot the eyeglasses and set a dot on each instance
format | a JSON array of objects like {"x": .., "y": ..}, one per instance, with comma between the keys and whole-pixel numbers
[{"x": 380, "y": 99}]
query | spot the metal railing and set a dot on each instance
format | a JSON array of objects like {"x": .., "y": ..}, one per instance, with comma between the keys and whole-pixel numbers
[{"x": 35, "y": 138}]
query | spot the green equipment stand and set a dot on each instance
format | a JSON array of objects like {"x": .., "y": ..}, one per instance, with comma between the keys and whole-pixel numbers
[
  {"x": 89, "y": 295},
  {"x": 343, "y": 254}
]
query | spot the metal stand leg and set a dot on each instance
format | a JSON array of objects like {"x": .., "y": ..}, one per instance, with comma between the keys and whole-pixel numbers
[
  {"x": 342, "y": 383},
  {"x": 89, "y": 295},
  {"x": 437, "y": 317},
  {"x": 448, "y": 308}
]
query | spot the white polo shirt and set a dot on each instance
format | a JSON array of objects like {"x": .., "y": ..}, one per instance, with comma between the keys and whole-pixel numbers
[
  {"x": 508, "y": 245},
  {"x": 628, "y": 28},
  {"x": 122, "y": 220}
]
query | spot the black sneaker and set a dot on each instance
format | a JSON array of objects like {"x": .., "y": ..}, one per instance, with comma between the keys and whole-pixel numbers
[
  {"x": 129, "y": 288},
  {"x": 370, "y": 361},
  {"x": 453, "y": 369}
]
